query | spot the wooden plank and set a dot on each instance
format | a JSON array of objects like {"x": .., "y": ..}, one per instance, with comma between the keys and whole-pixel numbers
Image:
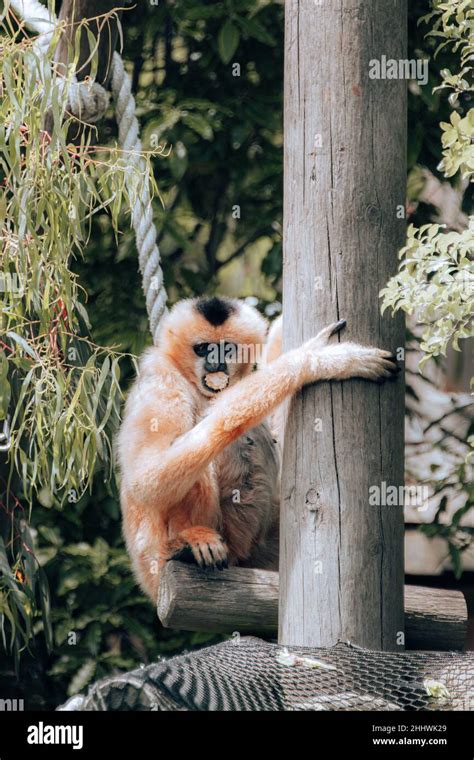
[
  {"x": 344, "y": 193},
  {"x": 236, "y": 599},
  {"x": 435, "y": 618},
  {"x": 246, "y": 601}
]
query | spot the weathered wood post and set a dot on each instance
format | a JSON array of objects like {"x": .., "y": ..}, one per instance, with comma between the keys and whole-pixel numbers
[{"x": 341, "y": 558}]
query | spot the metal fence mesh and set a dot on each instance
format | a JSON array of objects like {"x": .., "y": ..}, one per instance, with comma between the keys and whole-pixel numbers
[{"x": 251, "y": 674}]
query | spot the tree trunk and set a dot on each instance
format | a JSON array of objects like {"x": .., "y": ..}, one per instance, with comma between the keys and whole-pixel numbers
[
  {"x": 104, "y": 28},
  {"x": 341, "y": 559}
]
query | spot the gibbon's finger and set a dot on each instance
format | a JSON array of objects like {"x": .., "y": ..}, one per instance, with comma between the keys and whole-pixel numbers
[
  {"x": 379, "y": 373},
  {"x": 338, "y": 326},
  {"x": 392, "y": 366},
  {"x": 387, "y": 362},
  {"x": 323, "y": 335}
]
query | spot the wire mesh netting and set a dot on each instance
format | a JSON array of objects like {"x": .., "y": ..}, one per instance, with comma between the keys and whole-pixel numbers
[{"x": 251, "y": 674}]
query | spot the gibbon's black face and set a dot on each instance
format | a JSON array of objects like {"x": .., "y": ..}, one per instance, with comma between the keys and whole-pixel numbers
[
  {"x": 219, "y": 360},
  {"x": 214, "y": 341}
]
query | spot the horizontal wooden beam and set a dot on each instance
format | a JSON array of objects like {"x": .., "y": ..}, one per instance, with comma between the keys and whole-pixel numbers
[{"x": 246, "y": 601}]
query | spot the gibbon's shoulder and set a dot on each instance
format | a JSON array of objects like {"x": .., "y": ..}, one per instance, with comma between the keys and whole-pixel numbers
[
  {"x": 157, "y": 379},
  {"x": 150, "y": 362}
]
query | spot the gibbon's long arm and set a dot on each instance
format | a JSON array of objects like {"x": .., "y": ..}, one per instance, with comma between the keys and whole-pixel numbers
[{"x": 168, "y": 475}]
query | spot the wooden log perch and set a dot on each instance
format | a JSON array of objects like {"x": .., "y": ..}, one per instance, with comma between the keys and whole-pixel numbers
[{"x": 246, "y": 601}]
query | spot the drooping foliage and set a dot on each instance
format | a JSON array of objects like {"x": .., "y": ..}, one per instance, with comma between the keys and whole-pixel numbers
[{"x": 208, "y": 80}]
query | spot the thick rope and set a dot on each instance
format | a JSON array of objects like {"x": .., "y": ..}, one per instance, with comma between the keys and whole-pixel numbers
[
  {"x": 142, "y": 214},
  {"x": 88, "y": 101},
  {"x": 35, "y": 15}
]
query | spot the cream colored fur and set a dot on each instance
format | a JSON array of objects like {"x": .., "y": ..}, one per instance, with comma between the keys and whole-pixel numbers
[{"x": 184, "y": 454}]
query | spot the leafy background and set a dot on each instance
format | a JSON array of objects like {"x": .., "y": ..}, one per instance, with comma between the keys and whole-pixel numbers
[{"x": 226, "y": 133}]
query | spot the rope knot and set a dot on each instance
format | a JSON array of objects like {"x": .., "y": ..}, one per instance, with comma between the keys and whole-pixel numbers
[{"x": 88, "y": 101}]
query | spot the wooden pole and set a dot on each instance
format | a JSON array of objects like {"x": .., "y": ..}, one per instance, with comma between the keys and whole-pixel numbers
[
  {"x": 246, "y": 601},
  {"x": 341, "y": 559}
]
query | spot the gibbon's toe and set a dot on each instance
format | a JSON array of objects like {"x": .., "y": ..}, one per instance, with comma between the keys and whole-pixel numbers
[
  {"x": 201, "y": 546},
  {"x": 185, "y": 554}
]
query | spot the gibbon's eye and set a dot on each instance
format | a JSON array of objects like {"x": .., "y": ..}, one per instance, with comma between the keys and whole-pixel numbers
[
  {"x": 200, "y": 349},
  {"x": 230, "y": 351}
]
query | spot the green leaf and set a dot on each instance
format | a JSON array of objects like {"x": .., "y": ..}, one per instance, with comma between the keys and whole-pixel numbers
[
  {"x": 5, "y": 390},
  {"x": 22, "y": 342},
  {"x": 83, "y": 676},
  {"x": 456, "y": 560},
  {"x": 255, "y": 29},
  {"x": 45, "y": 609},
  {"x": 227, "y": 41}
]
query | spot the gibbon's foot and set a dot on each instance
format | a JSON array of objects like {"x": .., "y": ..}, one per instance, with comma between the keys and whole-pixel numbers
[{"x": 200, "y": 545}]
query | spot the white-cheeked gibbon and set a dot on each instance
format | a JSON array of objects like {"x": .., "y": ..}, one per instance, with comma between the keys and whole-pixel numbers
[{"x": 199, "y": 466}]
